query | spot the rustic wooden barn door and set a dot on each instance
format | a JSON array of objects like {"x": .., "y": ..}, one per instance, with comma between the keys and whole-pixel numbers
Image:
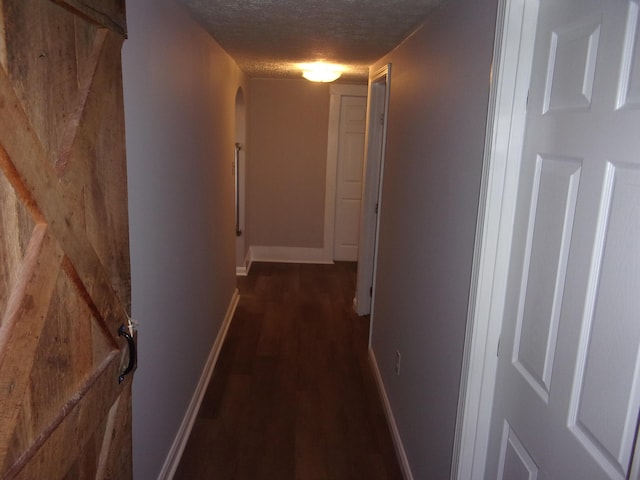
[{"x": 64, "y": 256}]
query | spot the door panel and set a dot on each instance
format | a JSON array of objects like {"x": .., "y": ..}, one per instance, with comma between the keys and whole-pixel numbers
[
  {"x": 546, "y": 254},
  {"x": 515, "y": 461},
  {"x": 607, "y": 370},
  {"x": 571, "y": 67},
  {"x": 65, "y": 282},
  {"x": 567, "y": 392}
]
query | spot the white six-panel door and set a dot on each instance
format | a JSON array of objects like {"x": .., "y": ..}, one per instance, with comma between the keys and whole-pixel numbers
[
  {"x": 567, "y": 388},
  {"x": 349, "y": 177}
]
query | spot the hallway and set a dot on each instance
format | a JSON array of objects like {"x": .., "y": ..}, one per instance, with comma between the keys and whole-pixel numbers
[{"x": 292, "y": 395}]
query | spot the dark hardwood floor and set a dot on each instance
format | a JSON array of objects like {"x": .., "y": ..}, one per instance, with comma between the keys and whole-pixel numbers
[{"x": 292, "y": 395}]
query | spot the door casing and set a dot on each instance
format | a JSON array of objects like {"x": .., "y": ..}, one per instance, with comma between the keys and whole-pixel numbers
[
  {"x": 513, "y": 48},
  {"x": 375, "y": 142}
]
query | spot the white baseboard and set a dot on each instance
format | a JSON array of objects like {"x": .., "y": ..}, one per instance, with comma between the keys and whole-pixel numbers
[
  {"x": 244, "y": 270},
  {"x": 180, "y": 442},
  {"x": 397, "y": 441},
  {"x": 289, "y": 255}
]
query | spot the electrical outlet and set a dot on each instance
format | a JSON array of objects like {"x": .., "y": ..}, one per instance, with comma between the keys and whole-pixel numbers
[{"x": 398, "y": 360}]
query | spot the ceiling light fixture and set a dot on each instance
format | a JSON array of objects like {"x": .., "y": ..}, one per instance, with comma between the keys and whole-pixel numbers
[{"x": 321, "y": 72}]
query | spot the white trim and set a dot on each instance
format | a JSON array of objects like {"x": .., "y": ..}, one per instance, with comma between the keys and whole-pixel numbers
[
  {"x": 393, "y": 427},
  {"x": 337, "y": 91},
  {"x": 179, "y": 443},
  {"x": 514, "y": 49},
  {"x": 288, "y": 254},
  {"x": 463, "y": 401},
  {"x": 243, "y": 271},
  {"x": 377, "y": 105}
]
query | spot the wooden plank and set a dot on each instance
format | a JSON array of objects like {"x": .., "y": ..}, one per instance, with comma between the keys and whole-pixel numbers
[
  {"x": 85, "y": 78},
  {"x": 115, "y": 463},
  {"x": 106, "y": 13},
  {"x": 40, "y": 60},
  {"x": 19, "y": 336},
  {"x": 3, "y": 41},
  {"x": 49, "y": 456},
  {"x": 15, "y": 224},
  {"x": 98, "y": 169}
]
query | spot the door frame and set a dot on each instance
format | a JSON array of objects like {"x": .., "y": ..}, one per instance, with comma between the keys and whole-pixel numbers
[
  {"x": 513, "y": 52},
  {"x": 337, "y": 91},
  {"x": 375, "y": 147}
]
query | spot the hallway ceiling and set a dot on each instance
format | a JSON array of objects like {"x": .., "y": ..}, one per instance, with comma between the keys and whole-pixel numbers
[{"x": 267, "y": 38}]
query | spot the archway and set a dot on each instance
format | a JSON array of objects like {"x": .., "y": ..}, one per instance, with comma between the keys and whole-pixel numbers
[{"x": 240, "y": 182}]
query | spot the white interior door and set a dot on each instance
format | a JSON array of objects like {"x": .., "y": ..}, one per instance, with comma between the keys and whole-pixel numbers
[
  {"x": 567, "y": 387},
  {"x": 349, "y": 177}
]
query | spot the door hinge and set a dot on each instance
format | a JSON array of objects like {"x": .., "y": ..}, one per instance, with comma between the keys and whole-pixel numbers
[
  {"x": 376, "y": 208},
  {"x": 371, "y": 291},
  {"x": 382, "y": 119},
  {"x": 498, "y": 349}
]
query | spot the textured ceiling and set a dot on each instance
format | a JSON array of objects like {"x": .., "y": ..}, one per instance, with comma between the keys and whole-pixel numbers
[{"x": 267, "y": 38}]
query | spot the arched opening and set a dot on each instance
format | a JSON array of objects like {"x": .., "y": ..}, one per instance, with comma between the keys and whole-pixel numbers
[{"x": 240, "y": 183}]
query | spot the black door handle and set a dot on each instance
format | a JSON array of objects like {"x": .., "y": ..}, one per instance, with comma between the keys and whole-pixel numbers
[{"x": 123, "y": 332}]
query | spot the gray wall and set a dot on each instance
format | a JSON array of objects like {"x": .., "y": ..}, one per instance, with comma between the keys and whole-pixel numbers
[
  {"x": 179, "y": 89},
  {"x": 288, "y": 141},
  {"x": 436, "y": 126}
]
